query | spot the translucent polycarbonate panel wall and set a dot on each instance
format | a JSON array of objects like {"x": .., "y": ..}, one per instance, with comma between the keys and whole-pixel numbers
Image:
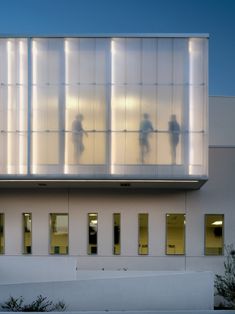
[
  {"x": 86, "y": 104},
  {"x": 13, "y": 106},
  {"x": 47, "y": 105},
  {"x": 69, "y": 105},
  {"x": 159, "y": 106},
  {"x": 104, "y": 108}
]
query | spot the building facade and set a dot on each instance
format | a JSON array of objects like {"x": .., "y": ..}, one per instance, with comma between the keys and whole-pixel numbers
[{"x": 104, "y": 153}]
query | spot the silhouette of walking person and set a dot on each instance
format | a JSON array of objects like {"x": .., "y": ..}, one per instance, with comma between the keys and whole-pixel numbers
[
  {"x": 145, "y": 129},
  {"x": 174, "y": 130},
  {"x": 78, "y": 132}
]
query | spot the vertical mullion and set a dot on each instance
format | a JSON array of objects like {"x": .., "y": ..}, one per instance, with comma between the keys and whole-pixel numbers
[{"x": 29, "y": 136}]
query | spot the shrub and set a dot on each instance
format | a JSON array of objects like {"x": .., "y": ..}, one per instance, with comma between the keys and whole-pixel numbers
[
  {"x": 225, "y": 284},
  {"x": 41, "y": 304}
]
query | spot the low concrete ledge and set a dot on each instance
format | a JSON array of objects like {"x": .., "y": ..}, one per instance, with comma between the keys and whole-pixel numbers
[
  {"x": 124, "y": 291},
  {"x": 144, "y": 312}
]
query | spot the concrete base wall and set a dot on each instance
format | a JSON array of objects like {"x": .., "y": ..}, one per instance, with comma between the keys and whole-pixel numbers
[
  {"x": 22, "y": 269},
  {"x": 124, "y": 290}
]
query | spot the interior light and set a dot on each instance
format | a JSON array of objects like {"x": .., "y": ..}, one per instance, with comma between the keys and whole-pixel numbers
[
  {"x": 67, "y": 102},
  {"x": 93, "y": 222},
  {"x": 10, "y": 146},
  {"x": 21, "y": 111},
  {"x": 217, "y": 223}
]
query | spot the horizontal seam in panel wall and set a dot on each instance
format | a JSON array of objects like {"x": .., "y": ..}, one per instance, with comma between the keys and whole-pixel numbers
[
  {"x": 221, "y": 146},
  {"x": 221, "y": 96}
]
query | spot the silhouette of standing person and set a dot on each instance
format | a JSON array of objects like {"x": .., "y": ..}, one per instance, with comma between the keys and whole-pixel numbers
[
  {"x": 145, "y": 129},
  {"x": 174, "y": 130},
  {"x": 78, "y": 131}
]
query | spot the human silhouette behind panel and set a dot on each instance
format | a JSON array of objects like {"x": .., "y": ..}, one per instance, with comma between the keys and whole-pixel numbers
[
  {"x": 78, "y": 132},
  {"x": 174, "y": 131},
  {"x": 145, "y": 129}
]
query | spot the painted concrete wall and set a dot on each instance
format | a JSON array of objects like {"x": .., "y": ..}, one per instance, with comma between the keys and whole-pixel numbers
[
  {"x": 124, "y": 291},
  {"x": 221, "y": 121},
  {"x": 22, "y": 269}
]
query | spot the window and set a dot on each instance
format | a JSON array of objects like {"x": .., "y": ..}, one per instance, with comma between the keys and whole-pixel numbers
[
  {"x": 175, "y": 234},
  {"x": 2, "y": 240},
  {"x": 214, "y": 234},
  {"x": 92, "y": 233},
  {"x": 143, "y": 234},
  {"x": 58, "y": 233},
  {"x": 27, "y": 233},
  {"x": 116, "y": 234}
]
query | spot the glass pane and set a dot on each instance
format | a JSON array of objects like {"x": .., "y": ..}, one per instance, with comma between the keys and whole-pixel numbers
[
  {"x": 149, "y": 61},
  {"x": 92, "y": 233},
  {"x": 13, "y": 104},
  {"x": 85, "y": 124},
  {"x": 163, "y": 149},
  {"x": 118, "y": 108},
  {"x": 118, "y": 155},
  {"x": 87, "y": 60},
  {"x": 116, "y": 234},
  {"x": 175, "y": 234},
  {"x": 143, "y": 234},
  {"x": 165, "y": 106},
  {"x": 146, "y": 140},
  {"x": 27, "y": 233},
  {"x": 214, "y": 232},
  {"x": 59, "y": 238},
  {"x": 180, "y": 61},
  {"x": 2, "y": 239},
  {"x": 45, "y": 151},
  {"x": 47, "y": 61},
  {"x": 133, "y": 60},
  {"x": 118, "y": 60},
  {"x": 198, "y": 60},
  {"x": 175, "y": 139},
  {"x": 164, "y": 61}
]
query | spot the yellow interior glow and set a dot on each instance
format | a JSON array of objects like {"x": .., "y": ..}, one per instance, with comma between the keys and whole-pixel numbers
[{"x": 217, "y": 223}]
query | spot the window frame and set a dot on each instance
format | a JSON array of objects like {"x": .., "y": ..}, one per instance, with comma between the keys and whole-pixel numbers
[
  {"x": 166, "y": 236},
  {"x": 23, "y": 235},
  {"x": 88, "y": 234},
  {"x": 67, "y": 250},
  {"x": 147, "y": 214},
  {"x": 223, "y": 227}
]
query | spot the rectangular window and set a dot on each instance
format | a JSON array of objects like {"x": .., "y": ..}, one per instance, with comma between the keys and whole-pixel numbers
[
  {"x": 175, "y": 234},
  {"x": 92, "y": 233},
  {"x": 59, "y": 238},
  {"x": 2, "y": 240},
  {"x": 214, "y": 234},
  {"x": 27, "y": 233},
  {"x": 143, "y": 234},
  {"x": 116, "y": 234}
]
